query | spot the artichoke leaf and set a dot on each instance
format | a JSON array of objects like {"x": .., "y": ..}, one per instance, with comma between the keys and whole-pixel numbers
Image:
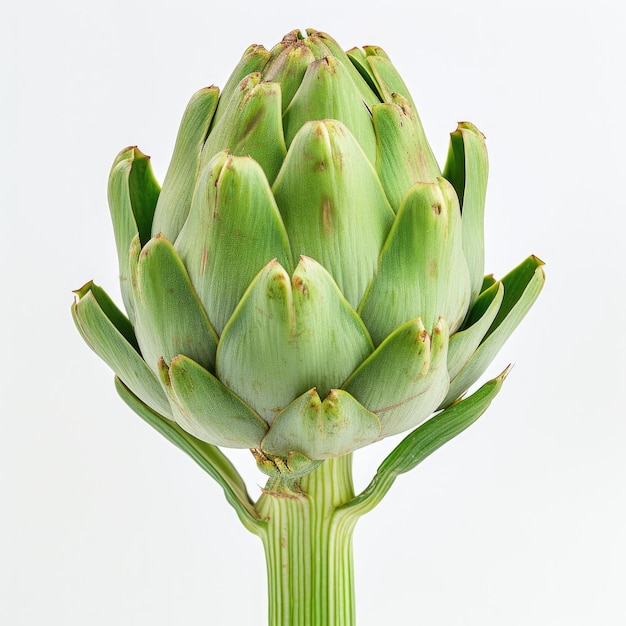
[
  {"x": 325, "y": 45},
  {"x": 467, "y": 168},
  {"x": 421, "y": 271},
  {"x": 326, "y": 191},
  {"x": 405, "y": 379},
  {"x": 254, "y": 59},
  {"x": 521, "y": 283},
  {"x": 251, "y": 126},
  {"x": 521, "y": 288},
  {"x": 206, "y": 409},
  {"x": 132, "y": 194},
  {"x": 170, "y": 317},
  {"x": 484, "y": 302},
  {"x": 387, "y": 77},
  {"x": 422, "y": 442},
  {"x": 109, "y": 334},
  {"x": 289, "y": 335},
  {"x": 488, "y": 281},
  {"x": 233, "y": 230},
  {"x": 327, "y": 92},
  {"x": 464, "y": 343},
  {"x": 322, "y": 429},
  {"x": 210, "y": 458},
  {"x": 404, "y": 156},
  {"x": 173, "y": 205},
  {"x": 358, "y": 58},
  {"x": 288, "y": 69}
]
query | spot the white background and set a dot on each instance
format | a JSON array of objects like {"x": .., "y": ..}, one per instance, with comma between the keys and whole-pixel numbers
[{"x": 519, "y": 521}]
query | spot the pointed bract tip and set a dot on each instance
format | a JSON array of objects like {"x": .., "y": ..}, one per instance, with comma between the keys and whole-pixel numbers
[
  {"x": 305, "y": 260},
  {"x": 85, "y": 289},
  {"x": 332, "y": 396},
  {"x": 138, "y": 154},
  {"x": 375, "y": 51},
  {"x": 252, "y": 49},
  {"x": 469, "y": 126},
  {"x": 293, "y": 36},
  {"x": 315, "y": 402},
  {"x": 506, "y": 372},
  {"x": 164, "y": 372},
  {"x": 440, "y": 326},
  {"x": 131, "y": 152}
]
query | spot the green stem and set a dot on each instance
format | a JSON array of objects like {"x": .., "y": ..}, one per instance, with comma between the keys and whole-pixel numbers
[{"x": 308, "y": 547}]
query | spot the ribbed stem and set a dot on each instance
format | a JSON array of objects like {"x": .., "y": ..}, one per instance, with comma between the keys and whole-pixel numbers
[{"x": 308, "y": 547}]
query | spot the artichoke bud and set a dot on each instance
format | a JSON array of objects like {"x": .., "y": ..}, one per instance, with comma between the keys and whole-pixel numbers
[{"x": 305, "y": 282}]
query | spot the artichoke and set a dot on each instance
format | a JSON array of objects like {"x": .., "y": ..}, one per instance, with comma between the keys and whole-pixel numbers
[{"x": 307, "y": 281}]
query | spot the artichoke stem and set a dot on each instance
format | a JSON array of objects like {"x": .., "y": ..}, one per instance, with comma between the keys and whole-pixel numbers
[{"x": 308, "y": 548}]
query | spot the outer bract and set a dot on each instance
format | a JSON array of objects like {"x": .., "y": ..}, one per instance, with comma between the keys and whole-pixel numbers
[{"x": 307, "y": 281}]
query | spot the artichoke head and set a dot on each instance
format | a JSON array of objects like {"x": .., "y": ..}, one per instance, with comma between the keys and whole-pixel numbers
[{"x": 306, "y": 281}]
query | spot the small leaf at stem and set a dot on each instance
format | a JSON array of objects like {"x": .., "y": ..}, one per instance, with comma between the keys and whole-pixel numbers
[
  {"x": 423, "y": 441},
  {"x": 210, "y": 458}
]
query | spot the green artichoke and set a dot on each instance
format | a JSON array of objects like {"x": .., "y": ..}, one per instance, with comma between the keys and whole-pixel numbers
[{"x": 306, "y": 281}]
